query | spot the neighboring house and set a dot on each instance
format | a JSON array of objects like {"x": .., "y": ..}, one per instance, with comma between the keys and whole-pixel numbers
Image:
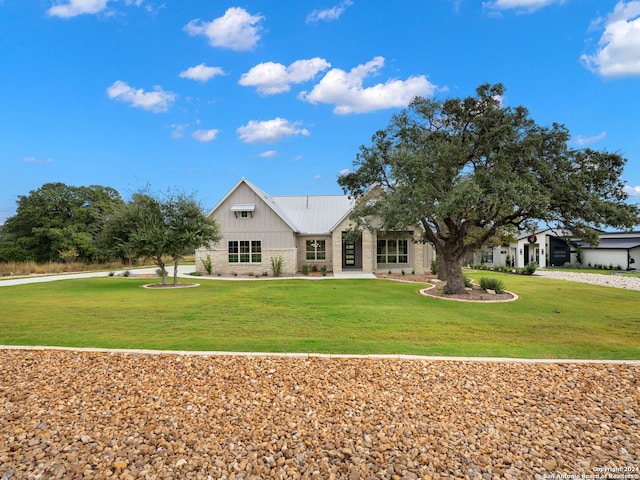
[
  {"x": 616, "y": 249},
  {"x": 303, "y": 230},
  {"x": 550, "y": 248}
]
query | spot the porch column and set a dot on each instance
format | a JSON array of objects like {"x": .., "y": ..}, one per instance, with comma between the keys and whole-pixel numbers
[
  {"x": 369, "y": 241},
  {"x": 418, "y": 259},
  {"x": 336, "y": 242}
]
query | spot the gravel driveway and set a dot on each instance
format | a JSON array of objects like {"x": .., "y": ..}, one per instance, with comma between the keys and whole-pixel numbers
[
  {"x": 71, "y": 415},
  {"x": 618, "y": 281}
]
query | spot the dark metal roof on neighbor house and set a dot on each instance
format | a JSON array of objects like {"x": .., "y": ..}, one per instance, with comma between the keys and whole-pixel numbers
[{"x": 613, "y": 243}]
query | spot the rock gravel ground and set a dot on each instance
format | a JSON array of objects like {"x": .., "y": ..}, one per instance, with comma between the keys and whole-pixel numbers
[
  {"x": 93, "y": 415},
  {"x": 618, "y": 281}
]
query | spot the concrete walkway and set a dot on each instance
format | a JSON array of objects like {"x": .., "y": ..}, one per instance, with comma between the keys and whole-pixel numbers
[{"x": 183, "y": 272}]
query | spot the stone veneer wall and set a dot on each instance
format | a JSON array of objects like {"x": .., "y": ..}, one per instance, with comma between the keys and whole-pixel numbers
[
  {"x": 302, "y": 252},
  {"x": 221, "y": 265},
  {"x": 369, "y": 245}
]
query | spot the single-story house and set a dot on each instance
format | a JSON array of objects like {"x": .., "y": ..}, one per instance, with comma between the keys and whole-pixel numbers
[
  {"x": 555, "y": 248},
  {"x": 616, "y": 249},
  {"x": 307, "y": 230}
]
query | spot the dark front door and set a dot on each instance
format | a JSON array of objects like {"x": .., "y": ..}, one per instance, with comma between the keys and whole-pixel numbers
[
  {"x": 526, "y": 255},
  {"x": 352, "y": 254}
]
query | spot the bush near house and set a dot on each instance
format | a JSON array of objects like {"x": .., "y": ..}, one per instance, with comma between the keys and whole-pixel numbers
[{"x": 528, "y": 270}]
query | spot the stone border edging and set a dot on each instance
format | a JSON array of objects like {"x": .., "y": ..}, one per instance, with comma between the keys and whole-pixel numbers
[
  {"x": 322, "y": 356},
  {"x": 159, "y": 286},
  {"x": 424, "y": 293}
]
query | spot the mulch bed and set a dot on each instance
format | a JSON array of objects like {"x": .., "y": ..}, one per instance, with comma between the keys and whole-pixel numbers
[{"x": 475, "y": 294}]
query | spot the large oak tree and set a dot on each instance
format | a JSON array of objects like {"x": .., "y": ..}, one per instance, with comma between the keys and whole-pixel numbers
[
  {"x": 468, "y": 169},
  {"x": 57, "y": 219}
]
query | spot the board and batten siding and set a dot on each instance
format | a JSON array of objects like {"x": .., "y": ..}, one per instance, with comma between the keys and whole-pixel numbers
[
  {"x": 277, "y": 238},
  {"x": 262, "y": 224}
]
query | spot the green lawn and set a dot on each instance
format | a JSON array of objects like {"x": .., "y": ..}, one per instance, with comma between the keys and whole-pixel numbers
[{"x": 552, "y": 319}]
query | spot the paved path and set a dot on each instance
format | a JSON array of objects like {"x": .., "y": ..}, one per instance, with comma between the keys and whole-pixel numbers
[{"x": 183, "y": 272}]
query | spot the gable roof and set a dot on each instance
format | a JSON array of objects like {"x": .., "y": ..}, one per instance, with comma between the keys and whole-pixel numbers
[{"x": 305, "y": 214}]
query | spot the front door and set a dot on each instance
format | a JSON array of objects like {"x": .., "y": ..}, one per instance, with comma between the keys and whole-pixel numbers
[{"x": 352, "y": 254}]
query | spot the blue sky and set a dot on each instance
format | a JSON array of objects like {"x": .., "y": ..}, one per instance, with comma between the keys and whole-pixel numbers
[{"x": 195, "y": 94}]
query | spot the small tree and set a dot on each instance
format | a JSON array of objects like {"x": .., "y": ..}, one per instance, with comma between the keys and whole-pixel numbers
[
  {"x": 187, "y": 228},
  {"x": 162, "y": 228}
]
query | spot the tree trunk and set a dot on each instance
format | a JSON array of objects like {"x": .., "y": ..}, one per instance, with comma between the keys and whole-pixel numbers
[
  {"x": 175, "y": 272},
  {"x": 442, "y": 269},
  {"x": 455, "y": 279},
  {"x": 163, "y": 270}
]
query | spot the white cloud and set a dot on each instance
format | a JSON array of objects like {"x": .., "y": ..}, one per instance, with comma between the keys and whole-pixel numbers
[
  {"x": 268, "y": 154},
  {"x": 344, "y": 171},
  {"x": 270, "y": 78},
  {"x": 178, "y": 130},
  {"x": 77, "y": 7},
  {"x": 329, "y": 14},
  {"x": 201, "y": 73},
  {"x": 521, "y": 5},
  {"x": 632, "y": 191},
  {"x": 155, "y": 101},
  {"x": 270, "y": 131},
  {"x": 205, "y": 135},
  {"x": 582, "y": 140},
  {"x": 236, "y": 29},
  {"x": 618, "y": 51},
  {"x": 39, "y": 161},
  {"x": 346, "y": 91}
]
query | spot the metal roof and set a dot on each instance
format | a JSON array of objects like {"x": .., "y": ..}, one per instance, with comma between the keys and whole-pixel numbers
[
  {"x": 613, "y": 243},
  {"x": 314, "y": 214}
]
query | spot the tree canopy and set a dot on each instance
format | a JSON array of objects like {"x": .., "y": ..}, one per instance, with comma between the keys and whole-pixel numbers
[
  {"x": 161, "y": 229},
  {"x": 468, "y": 169},
  {"x": 58, "y": 221}
]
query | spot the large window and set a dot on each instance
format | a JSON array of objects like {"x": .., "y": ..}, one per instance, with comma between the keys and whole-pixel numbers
[
  {"x": 393, "y": 251},
  {"x": 245, "y": 251},
  {"x": 487, "y": 256},
  {"x": 316, "y": 250}
]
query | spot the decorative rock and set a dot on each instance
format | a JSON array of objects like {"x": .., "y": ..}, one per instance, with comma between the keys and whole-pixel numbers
[{"x": 181, "y": 416}]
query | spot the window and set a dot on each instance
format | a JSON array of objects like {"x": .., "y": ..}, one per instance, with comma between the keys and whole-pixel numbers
[
  {"x": 487, "y": 256},
  {"x": 244, "y": 214},
  {"x": 393, "y": 251},
  {"x": 316, "y": 250},
  {"x": 245, "y": 251}
]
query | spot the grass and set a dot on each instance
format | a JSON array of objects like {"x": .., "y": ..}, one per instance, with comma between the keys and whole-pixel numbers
[{"x": 553, "y": 319}]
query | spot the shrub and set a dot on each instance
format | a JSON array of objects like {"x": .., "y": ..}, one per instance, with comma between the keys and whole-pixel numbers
[
  {"x": 495, "y": 284},
  {"x": 434, "y": 267},
  {"x": 111, "y": 274},
  {"x": 467, "y": 281},
  {"x": 126, "y": 273},
  {"x": 323, "y": 270},
  {"x": 402, "y": 271},
  {"x": 276, "y": 266},
  {"x": 207, "y": 264},
  {"x": 314, "y": 268},
  {"x": 265, "y": 274},
  {"x": 531, "y": 268},
  {"x": 305, "y": 269}
]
